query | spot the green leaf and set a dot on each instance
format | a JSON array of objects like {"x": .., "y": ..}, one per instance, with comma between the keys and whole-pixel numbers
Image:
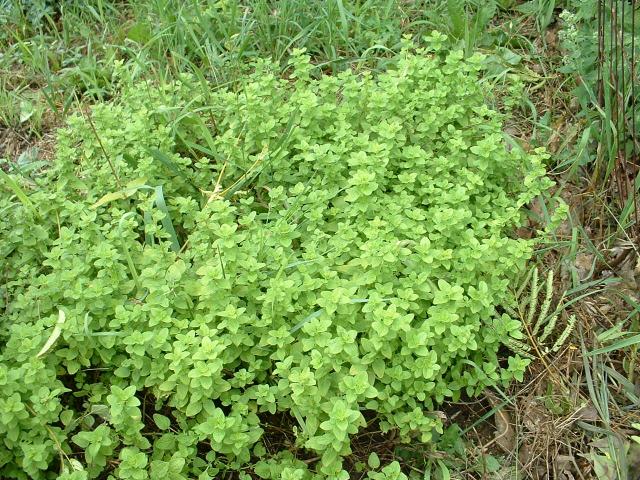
[
  {"x": 162, "y": 422},
  {"x": 139, "y": 32},
  {"x": 26, "y": 111},
  {"x": 491, "y": 464},
  {"x": 457, "y": 17},
  {"x": 373, "y": 461},
  {"x": 444, "y": 470}
]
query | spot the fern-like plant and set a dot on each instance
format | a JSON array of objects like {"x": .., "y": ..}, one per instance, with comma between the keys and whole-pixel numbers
[{"x": 527, "y": 299}]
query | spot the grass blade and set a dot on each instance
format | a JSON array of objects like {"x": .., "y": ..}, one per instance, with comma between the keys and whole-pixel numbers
[
  {"x": 15, "y": 188},
  {"x": 55, "y": 334},
  {"x": 306, "y": 320},
  {"x": 166, "y": 220},
  {"x": 125, "y": 249},
  {"x": 627, "y": 342}
]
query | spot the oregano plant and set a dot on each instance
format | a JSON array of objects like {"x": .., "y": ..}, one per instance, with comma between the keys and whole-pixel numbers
[{"x": 334, "y": 250}]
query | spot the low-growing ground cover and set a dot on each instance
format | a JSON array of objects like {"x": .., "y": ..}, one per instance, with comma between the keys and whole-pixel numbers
[
  {"x": 342, "y": 249},
  {"x": 235, "y": 260}
]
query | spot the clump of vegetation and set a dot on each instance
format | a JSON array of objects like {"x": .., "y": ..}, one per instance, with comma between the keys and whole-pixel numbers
[{"x": 332, "y": 248}]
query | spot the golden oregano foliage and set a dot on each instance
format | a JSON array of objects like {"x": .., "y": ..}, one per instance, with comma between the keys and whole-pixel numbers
[{"x": 315, "y": 246}]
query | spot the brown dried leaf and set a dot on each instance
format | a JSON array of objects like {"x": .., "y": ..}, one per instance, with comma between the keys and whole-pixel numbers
[
  {"x": 583, "y": 265},
  {"x": 564, "y": 463},
  {"x": 588, "y": 414},
  {"x": 505, "y": 435}
]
